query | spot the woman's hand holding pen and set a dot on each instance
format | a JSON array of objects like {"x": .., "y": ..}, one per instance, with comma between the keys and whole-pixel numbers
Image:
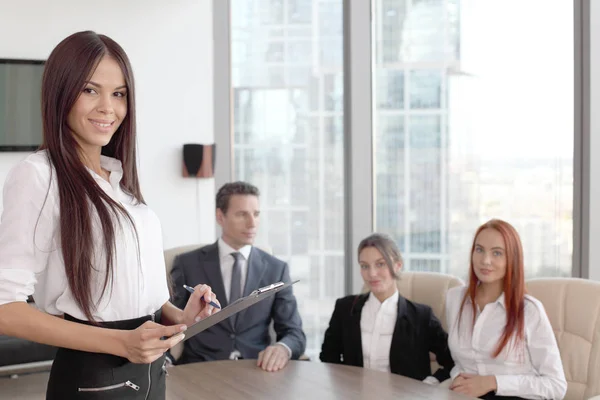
[
  {"x": 144, "y": 345},
  {"x": 198, "y": 306}
]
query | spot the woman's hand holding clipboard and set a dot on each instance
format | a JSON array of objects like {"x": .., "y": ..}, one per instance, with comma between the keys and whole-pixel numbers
[{"x": 235, "y": 307}]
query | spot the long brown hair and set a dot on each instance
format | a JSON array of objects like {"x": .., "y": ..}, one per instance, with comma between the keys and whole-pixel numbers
[
  {"x": 69, "y": 66},
  {"x": 514, "y": 284}
]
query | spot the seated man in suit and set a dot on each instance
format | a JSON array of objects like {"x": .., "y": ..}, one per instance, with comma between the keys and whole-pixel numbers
[{"x": 234, "y": 268}]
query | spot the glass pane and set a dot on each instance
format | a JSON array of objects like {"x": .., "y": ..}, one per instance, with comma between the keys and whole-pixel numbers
[
  {"x": 389, "y": 26},
  {"x": 299, "y": 52},
  {"x": 468, "y": 128},
  {"x": 288, "y": 140},
  {"x": 299, "y": 11},
  {"x": 425, "y": 89},
  {"x": 274, "y": 52},
  {"x": 424, "y": 265},
  {"x": 425, "y": 184},
  {"x": 333, "y": 92},
  {"x": 389, "y": 181},
  {"x": 271, "y": 11},
  {"x": 390, "y": 89},
  {"x": 423, "y": 40}
]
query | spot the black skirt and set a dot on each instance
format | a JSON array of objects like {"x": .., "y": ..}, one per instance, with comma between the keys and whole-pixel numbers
[{"x": 82, "y": 375}]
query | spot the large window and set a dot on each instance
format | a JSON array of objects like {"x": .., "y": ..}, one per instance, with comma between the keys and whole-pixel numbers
[
  {"x": 468, "y": 115},
  {"x": 473, "y": 120},
  {"x": 288, "y": 139}
]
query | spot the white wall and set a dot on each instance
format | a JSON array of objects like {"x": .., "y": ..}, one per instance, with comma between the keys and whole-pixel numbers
[
  {"x": 594, "y": 255},
  {"x": 170, "y": 47}
]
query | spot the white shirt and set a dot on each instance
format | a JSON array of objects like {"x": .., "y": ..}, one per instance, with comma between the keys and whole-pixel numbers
[
  {"x": 139, "y": 287},
  {"x": 377, "y": 323},
  {"x": 227, "y": 261},
  {"x": 534, "y": 371}
]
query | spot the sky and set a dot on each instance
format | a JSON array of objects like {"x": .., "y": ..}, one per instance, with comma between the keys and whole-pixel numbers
[{"x": 519, "y": 99}]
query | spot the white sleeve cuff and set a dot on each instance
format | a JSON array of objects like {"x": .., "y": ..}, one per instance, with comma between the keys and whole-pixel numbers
[
  {"x": 454, "y": 372},
  {"x": 287, "y": 348},
  {"x": 431, "y": 380},
  {"x": 506, "y": 385}
]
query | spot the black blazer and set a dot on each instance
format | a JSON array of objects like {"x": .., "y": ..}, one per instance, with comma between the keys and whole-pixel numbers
[
  {"x": 250, "y": 333},
  {"x": 417, "y": 333}
]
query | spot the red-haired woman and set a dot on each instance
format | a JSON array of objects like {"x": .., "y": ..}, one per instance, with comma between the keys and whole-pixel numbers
[
  {"x": 77, "y": 235},
  {"x": 500, "y": 338}
]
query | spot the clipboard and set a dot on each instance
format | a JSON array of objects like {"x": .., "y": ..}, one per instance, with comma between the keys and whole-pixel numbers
[{"x": 235, "y": 307}]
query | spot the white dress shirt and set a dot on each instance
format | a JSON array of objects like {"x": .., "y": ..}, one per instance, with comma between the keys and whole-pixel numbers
[
  {"x": 139, "y": 286},
  {"x": 377, "y": 323},
  {"x": 533, "y": 371},
  {"x": 226, "y": 260}
]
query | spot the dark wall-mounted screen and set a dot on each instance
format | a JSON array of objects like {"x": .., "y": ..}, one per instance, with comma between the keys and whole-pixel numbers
[{"x": 20, "y": 109}]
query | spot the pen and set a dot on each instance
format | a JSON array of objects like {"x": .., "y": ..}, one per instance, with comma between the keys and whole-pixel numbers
[{"x": 191, "y": 290}]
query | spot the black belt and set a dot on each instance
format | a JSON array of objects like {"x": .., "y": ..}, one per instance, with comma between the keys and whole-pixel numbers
[{"x": 126, "y": 324}]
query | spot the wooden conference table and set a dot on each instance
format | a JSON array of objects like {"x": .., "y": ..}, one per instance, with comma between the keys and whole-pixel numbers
[{"x": 242, "y": 379}]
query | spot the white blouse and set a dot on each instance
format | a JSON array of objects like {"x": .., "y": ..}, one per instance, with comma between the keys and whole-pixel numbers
[
  {"x": 377, "y": 323},
  {"x": 31, "y": 261},
  {"x": 533, "y": 371}
]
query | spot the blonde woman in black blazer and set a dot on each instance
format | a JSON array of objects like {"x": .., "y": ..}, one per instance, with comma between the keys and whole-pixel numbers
[{"x": 381, "y": 329}]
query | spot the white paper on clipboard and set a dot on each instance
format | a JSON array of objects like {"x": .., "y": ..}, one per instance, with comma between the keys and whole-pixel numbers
[{"x": 235, "y": 307}]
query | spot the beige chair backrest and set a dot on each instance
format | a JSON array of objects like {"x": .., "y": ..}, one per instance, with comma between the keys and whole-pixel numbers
[
  {"x": 170, "y": 255},
  {"x": 428, "y": 288},
  {"x": 573, "y": 307}
]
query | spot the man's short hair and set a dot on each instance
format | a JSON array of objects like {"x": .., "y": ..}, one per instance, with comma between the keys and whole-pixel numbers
[{"x": 233, "y": 188}]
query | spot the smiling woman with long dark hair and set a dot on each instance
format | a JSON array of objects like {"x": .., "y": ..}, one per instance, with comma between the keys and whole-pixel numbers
[{"x": 77, "y": 235}]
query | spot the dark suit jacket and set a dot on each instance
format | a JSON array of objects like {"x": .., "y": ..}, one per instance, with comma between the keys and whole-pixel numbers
[
  {"x": 417, "y": 332},
  {"x": 250, "y": 335}
]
